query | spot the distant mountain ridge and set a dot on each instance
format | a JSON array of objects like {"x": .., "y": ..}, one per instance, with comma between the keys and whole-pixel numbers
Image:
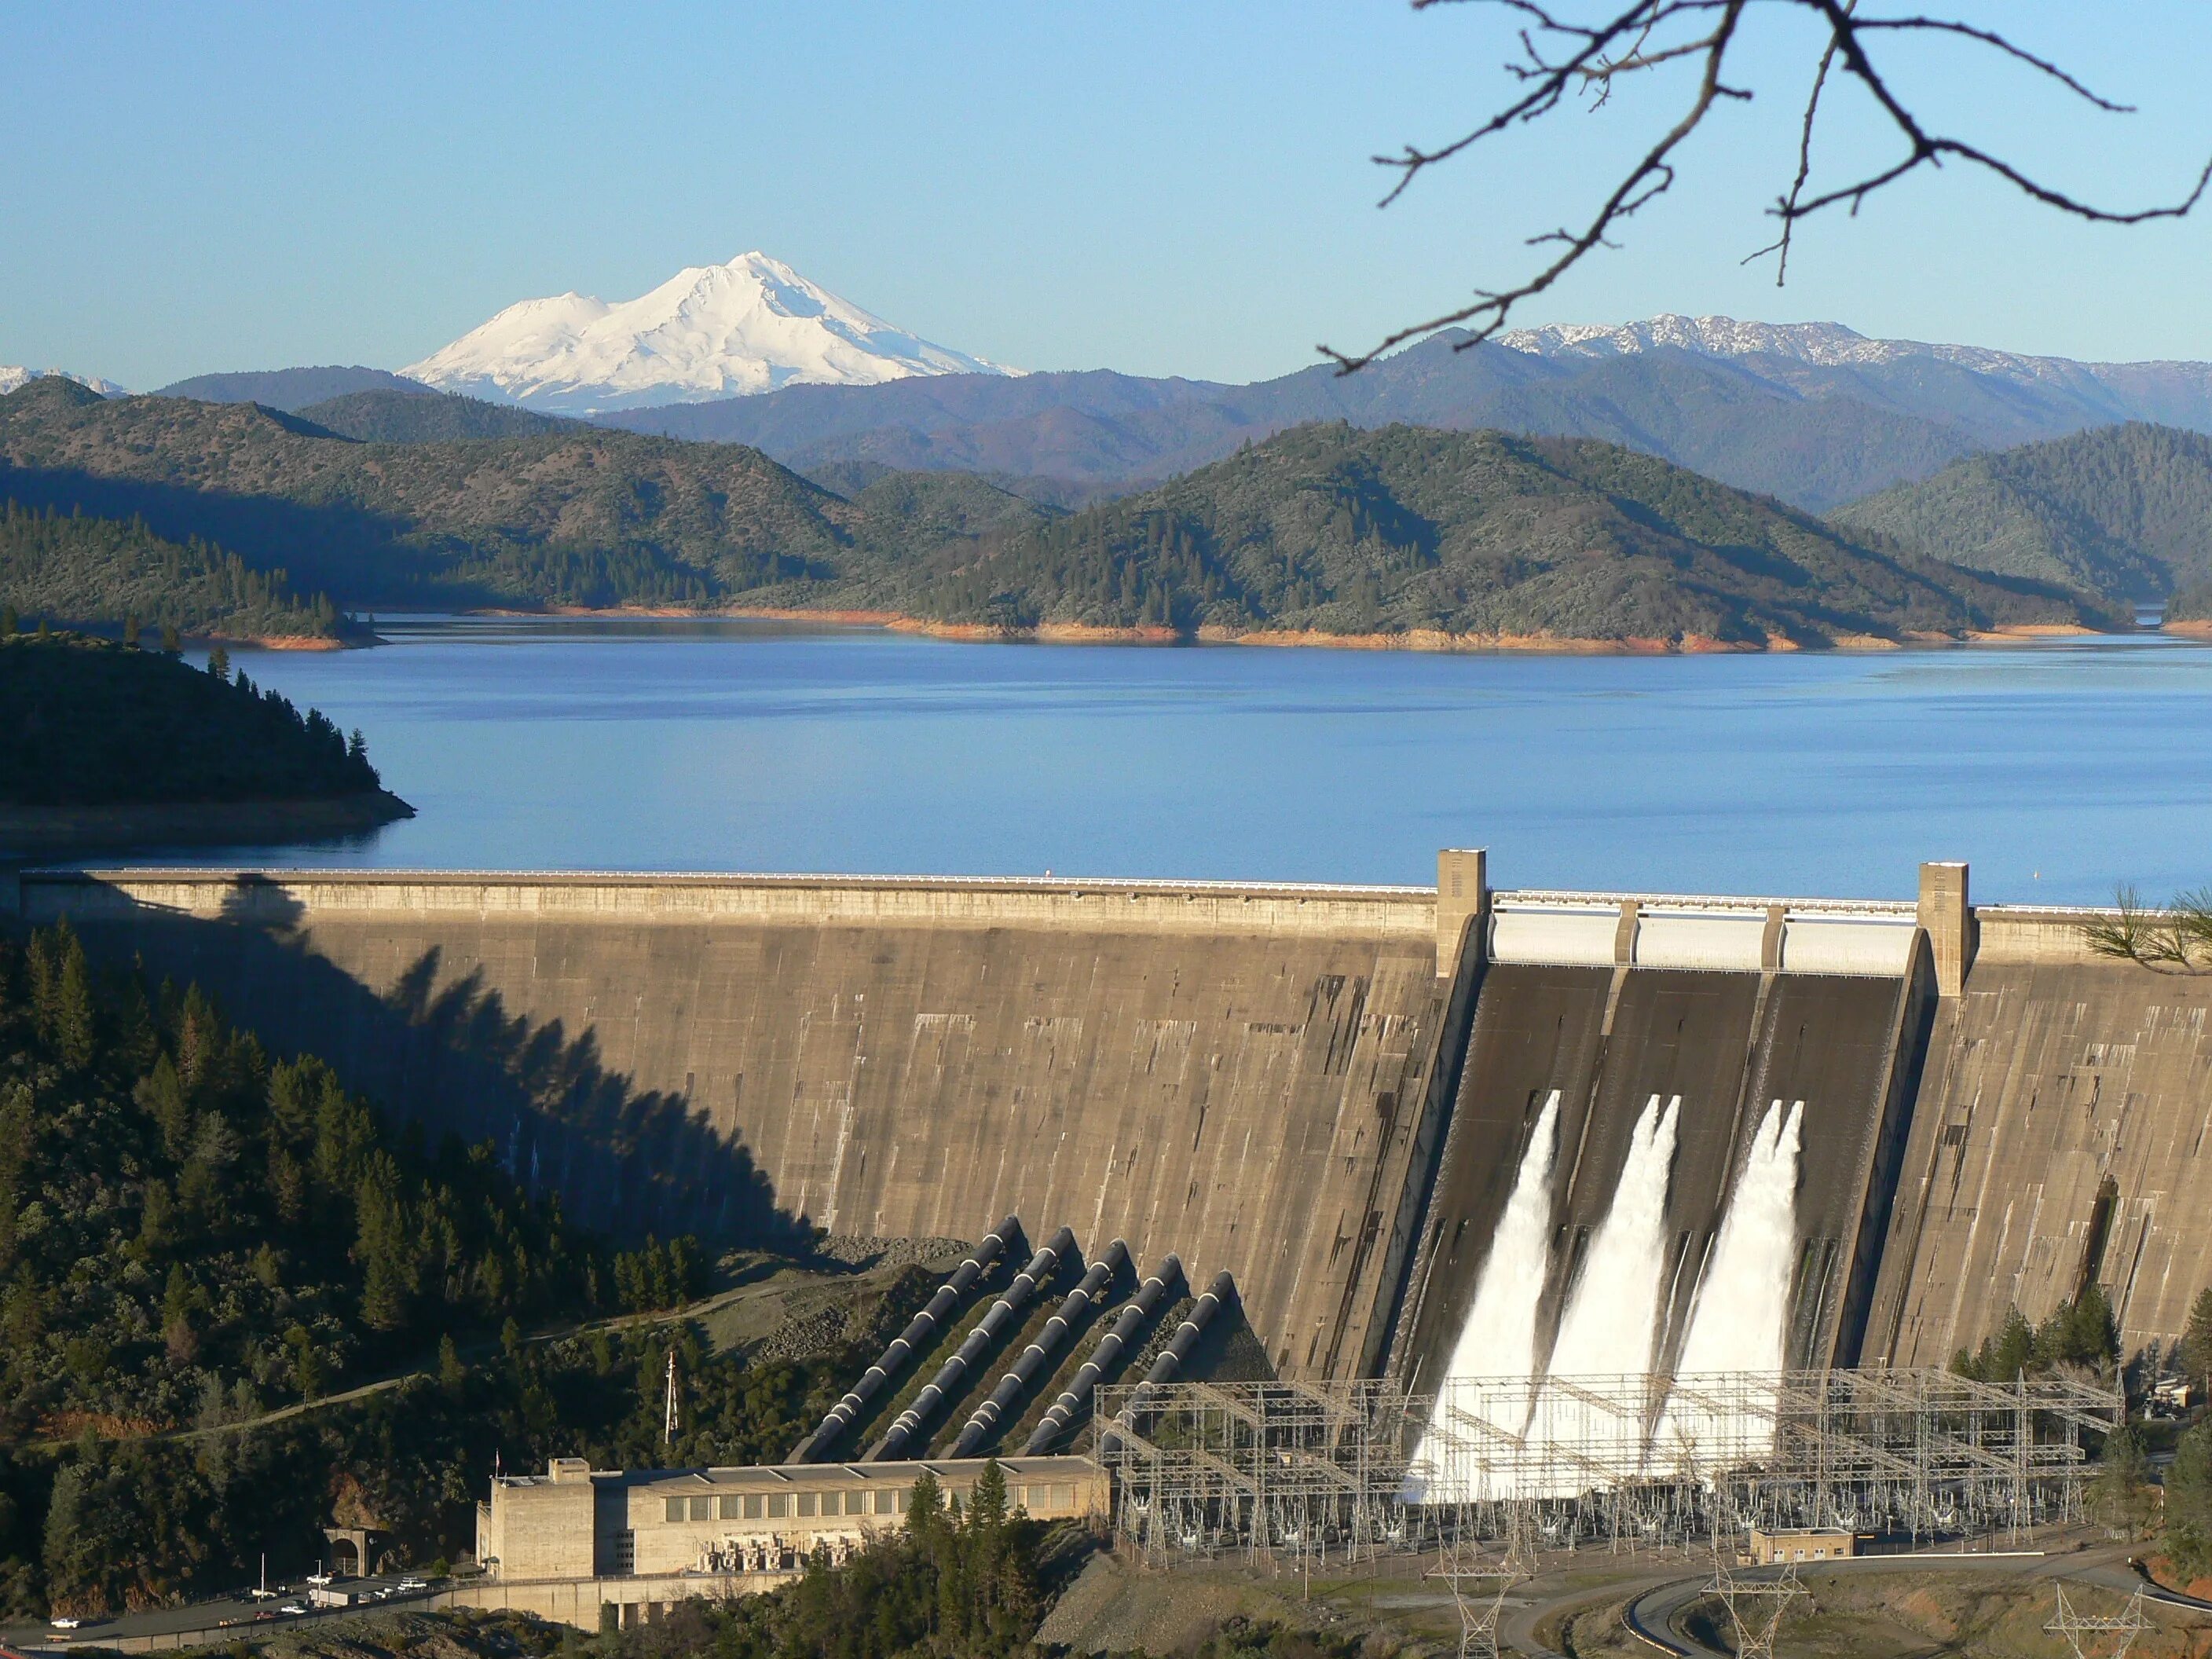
[
  {"x": 289, "y": 389},
  {"x": 14, "y": 376},
  {"x": 417, "y": 418},
  {"x": 1814, "y": 414},
  {"x": 748, "y": 327}
]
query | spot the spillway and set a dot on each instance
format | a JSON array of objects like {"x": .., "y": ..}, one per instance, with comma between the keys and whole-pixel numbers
[
  {"x": 1740, "y": 1320},
  {"x": 1499, "y": 1336},
  {"x": 1613, "y": 1309}
]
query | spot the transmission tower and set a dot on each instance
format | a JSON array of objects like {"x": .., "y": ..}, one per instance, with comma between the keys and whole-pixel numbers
[
  {"x": 1479, "y": 1586},
  {"x": 2099, "y": 1636},
  {"x": 1755, "y": 1606}
]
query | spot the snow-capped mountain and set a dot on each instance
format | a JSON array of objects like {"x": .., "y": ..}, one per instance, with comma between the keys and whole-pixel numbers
[
  {"x": 754, "y": 325},
  {"x": 12, "y": 376},
  {"x": 1826, "y": 345}
]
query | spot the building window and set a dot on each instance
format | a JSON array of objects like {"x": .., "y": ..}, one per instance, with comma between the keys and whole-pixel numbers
[
  {"x": 806, "y": 1503},
  {"x": 1063, "y": 1498},
  {"x": 887, "y": 1502},
  {"x": 754, "y": 1505},
  {"x": 672, "y": 1509},
  {"x": 702, "y": 1509},
  {"x": 733, "y": 1506},
  {"x": 779, "y": 1505}
]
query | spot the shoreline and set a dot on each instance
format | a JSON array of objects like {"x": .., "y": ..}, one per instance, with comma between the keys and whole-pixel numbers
[
  {"x": 52, "y": 832},
  {"x": 1424, "y": 639}
]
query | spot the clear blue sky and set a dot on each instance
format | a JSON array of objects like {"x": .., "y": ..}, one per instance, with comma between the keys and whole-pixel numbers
[{"x": 1155, "y": 188}]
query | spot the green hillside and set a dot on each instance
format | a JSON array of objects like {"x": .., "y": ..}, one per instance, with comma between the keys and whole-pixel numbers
[
  {"x": 2124, "y": 511},
  {"x": 1348, "y": 531},
  {"x": 583, "y": 517},
  {"x": 87, "y": 722},
  {"x": 72, "y": 568},
  {"x": 1325, "y": 528}
]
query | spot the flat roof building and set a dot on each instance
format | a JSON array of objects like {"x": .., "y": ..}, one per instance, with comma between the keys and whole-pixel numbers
[
  {"x": 1771, "y": 1548},
  {"x": 577, "y": 1523}
]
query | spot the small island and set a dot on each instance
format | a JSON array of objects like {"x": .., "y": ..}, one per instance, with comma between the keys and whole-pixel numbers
[{"x": 105, "y": 746}]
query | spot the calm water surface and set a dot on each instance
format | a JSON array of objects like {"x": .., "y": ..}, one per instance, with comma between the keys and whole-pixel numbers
[{"x": 2058, "y": 769}]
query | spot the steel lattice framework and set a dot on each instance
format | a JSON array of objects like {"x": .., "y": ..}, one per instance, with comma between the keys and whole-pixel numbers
[{"x": 1362, "y": 1466}]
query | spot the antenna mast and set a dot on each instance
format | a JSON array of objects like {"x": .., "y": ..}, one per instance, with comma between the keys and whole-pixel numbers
[{"x": 668, "y": 1425}]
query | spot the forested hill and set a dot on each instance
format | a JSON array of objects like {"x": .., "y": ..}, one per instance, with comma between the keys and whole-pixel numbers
[
  {"x": 87, "y": 722},
  {"x": 69, "y": 567},
  {"x": 2124, "y": 511},
  {"x": 587, "y": 518},
  {"x": 1325, "y": 529},
  {"x": 1340, "y": 530}
]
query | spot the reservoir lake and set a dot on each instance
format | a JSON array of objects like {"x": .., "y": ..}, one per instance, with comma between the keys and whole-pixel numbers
[{"x": 2058, "y": 768}]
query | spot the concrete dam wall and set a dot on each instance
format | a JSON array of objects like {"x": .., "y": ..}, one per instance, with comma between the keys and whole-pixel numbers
[
  {"x": 2060, "y": 1137},
  {"x": 1874, "y": 1126},
  {"x": 1234, "y": 1073}
]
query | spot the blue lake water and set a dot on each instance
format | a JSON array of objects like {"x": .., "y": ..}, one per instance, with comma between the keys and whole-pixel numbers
[{"x": 2058, "y": 768}]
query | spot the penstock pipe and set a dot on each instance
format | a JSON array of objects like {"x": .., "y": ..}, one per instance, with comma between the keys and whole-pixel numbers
[
  {"x": 1173, "y": 1357},
  {"x": 1031, "y": 1364},
  {"x": 1103, "y": 1358},
  {"x": 921, "y": 1331},
  {"x": 988, "y": 1329}
]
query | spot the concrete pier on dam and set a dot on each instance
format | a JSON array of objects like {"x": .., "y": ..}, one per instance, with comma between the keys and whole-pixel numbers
[{"x": 1908, "y": 1115}]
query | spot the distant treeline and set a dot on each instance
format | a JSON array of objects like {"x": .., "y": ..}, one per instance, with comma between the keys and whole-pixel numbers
[{"x": 75, "y": 568}]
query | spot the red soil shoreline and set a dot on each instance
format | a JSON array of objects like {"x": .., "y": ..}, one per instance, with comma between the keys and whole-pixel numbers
[{"x": 1429, "y": 640}]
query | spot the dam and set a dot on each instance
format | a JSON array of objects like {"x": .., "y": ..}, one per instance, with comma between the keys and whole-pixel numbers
[{"x": 1427, "y": 1132}]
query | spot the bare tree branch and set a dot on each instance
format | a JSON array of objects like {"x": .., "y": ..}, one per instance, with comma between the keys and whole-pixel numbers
[{"x": 1562, "y": 55}]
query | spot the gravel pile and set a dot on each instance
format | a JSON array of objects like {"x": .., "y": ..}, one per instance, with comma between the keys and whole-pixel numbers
[
  {"x": 864, "y": 1253},
  {"x": 803, "y": 1334}
]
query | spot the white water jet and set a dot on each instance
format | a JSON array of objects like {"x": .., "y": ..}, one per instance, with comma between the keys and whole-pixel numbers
[
  {"x": 1613, "y": 1313},
  {"x": 1499, "y": 1338},
  {"x": 1612, "y": 1318},
  {"x": 1740, "y": 1320}
]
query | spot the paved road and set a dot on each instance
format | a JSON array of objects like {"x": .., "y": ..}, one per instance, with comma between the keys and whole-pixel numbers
[
  {"x": 1656, "y": 1614},
  {"x": 239, "y": 1615}
]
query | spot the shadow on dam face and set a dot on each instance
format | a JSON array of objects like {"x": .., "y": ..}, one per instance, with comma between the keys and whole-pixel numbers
[
  {"x": 446, "y": 1048},
  {"x": 1243, "y": 1075},
  {"x": 1729, "y": 1044}
]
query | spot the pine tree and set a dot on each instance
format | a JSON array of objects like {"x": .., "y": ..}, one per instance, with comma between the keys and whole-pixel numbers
[
  {"x": 2119, "y": 1495},
  {"x": 131, "y": 629},
  {"x": 219, "y": 664},
  {"x": 453, "y": 1375},
  {"x": 2197, "y": 1339},
  {"x": 9, "y": 622}
]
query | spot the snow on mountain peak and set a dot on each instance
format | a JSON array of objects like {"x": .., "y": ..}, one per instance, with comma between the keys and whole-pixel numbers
[
  {"x": 754, "y": 325},
  {"x": 12, "y": 376},
  {"x": 1830, "y": 345}
]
